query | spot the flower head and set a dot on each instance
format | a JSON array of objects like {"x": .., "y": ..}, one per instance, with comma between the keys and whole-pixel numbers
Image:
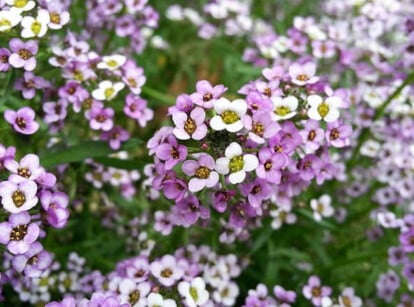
[{"x": 229, "y": 115}]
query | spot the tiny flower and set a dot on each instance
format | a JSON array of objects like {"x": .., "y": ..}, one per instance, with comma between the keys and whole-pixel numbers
[
  {"x": 112, "y": 62},
  {"x": 18, "y": 233},
  {"x": 35, "y": 27},
  {"x": 284, "y": 296},
  {"x": 314, "y": 291},
  {"x": 324, "y": 109},
  {"x": 34, "y": 262},
  {"x": 236, "y": 163},
  {"x": 349, "y": 299},
  {"x": 323, "y": 49},
  {"x": 22, "y": 120},
  {"x": 58, "y": 17},
  {"x": 166, "y": 270},
  {"x": 133, "y": 293},
  {"x": 171, "y": 152},
  {"x": 23, "y": 53},
  {"x": 338, "y": 134},
  {"x": 202, "y": 172},
  {"x": 29, "y": 83},
  {"x": 115, "y": 136},
  {"x": 101, "y": 118},
  {"x": 322, "y": 207},
  {"x": 281, "y": 216},
  {"x": 284, "y": 108},
  {"x": 260, "y": 126},
  {"x": 107, "y": 90},
  {"x": 18, "y": 197},
  {"x": 4, "y": 59},
  {"x": 28, "y": 168},
  {"x": 194, "y": 292},
  {"x": 229, "y": 115},
  {"x": 190, "y": 126},
  {"x": 207, "y": 94},
  {"x": 312, "y": 136},
  {"x": 9, "y": 19},
  {"x": 302, "y": 74},
  {"x": 21, "y": 5},
  {"x": 187, "y": 211}
]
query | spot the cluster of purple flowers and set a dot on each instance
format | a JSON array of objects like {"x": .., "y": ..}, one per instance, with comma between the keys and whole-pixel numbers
[
  {"x": 248, "y": 156},
  {"x": 31, "y": 203}
]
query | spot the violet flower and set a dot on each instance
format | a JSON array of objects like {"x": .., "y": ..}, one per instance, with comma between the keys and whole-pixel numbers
[
  {"x": 23, "y": 53},
  {"x": 18, "y": 197},
  {"x": 171, "y": 152},
  {"x": 202, "y": 172},
  {"x": 207, "y": 94},
  {"x": 34, "y": 262},
  {"x": 22, "y": 120},
  {"x": 190, "y": 126},
  {"x": 260, "y": 126}
]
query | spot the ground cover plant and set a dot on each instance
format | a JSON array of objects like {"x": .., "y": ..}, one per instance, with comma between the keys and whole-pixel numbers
[{"x": 207, "y": 153}]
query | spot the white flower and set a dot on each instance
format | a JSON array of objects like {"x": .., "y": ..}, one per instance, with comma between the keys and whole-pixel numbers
[
  {"x": 35, "y": 27},
  {"x": 156, "y": 300},
  {"x": 226, "y": 293},
  {"x": 21, "y": 5},
  {"x": 322, "y": 207},
  {"x": 370, "y": 148},
  {"x": 112, "y": 62},
  {"x": 348, "y": 298},
  {"x": 9, "y": 19},
  {"x": 281, "y": 216},
  {"x": 229, "y": 115},
  {"x": 324, "y": 109},
  {"x": 107, "y": 90},
  {"x": 388, "y": 220},
  {"x": 58, "y": 19},
  {"x": 195, "y": 293},
  {"x": 284, "y": 108},
  {"x": 327, "y": 302},
  {"x": 236, "y": 163}
]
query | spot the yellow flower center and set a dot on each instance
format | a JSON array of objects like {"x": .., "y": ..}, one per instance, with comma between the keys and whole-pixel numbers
[
  {"x": 112, "y": 63},
  {"x": 236, "y": 164},
  {"x": 258, "y": 129},
  {"x": 20, "y": 3},
  {"x": 202, "y": 172},
  {"x": 18, "y": 198},
  {"x": 5, "y": 23},
  {"x": 36, "y": 27},
  {"x": 134, "y": 297},
  {"x": 109, "y": 92},
  {"x": 54, "y": 18},
  {"x": 323, "y": 109},
  {"x": 302, "y": 77},
  {"x": 18, "y": 233},
  {"x": 230, "y": 117},
  {"x": 78, "y": 75},
  {"x": 193, "y": 293},
  {"x": 282, "y": 110},
  {"x": 190, "y": 126},
  {"x": 24, "y": 172}
]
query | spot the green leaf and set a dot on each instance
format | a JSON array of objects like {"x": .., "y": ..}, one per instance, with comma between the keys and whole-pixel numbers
[{"x": 128, "y": 164}]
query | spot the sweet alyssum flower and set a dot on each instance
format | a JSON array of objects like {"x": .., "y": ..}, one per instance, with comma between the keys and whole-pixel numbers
[
  {"x": 194, "y": 292},
  {"x": 322, "y": 207},
  {"x": 23, "y": 53},
  {"x": 207, "y": 94},
  {"x": 107, "y": 90},
  {"x": 202, "y": 172},
  {"x": 324, "y": 109},
  {"x": 166, "y": 271},
  {"x": 22, "y": 120},
  {"x": 229, "y": 115},
  {"x": 190, "y": 126},
  {"x": 21, "y": 5},
  {"x": 35, "y": 27},
  {"x": 236, "y": 163},
  {"x": 112, "y": 62},
  {"x": 284, "y": 108},
  {"x": 27, "y": 169},
  {"x": 18, "y": 197},
  {"x": 9, "y": 19},
  {"x": 302, "y": 74},
  {"x": 18, "y": 233},
  {"x": 314, "y": 291}
]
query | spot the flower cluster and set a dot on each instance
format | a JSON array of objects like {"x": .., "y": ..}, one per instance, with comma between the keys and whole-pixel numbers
[{"x": 248, "y": 154}]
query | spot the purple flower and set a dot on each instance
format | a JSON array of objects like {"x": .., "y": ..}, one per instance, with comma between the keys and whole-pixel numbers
[
  {"x": 104, "y": 300},
  {"x": 115, "y": 136},
  {"x": 34, "y": 262},
  {"x": 191, "y": 126},
  {"x": 166, "y": 270},
  {"x": 74, "y": 93},
  {"x": 312, "y": 135},
  {"x": 23, "y": 53},
  {"x": 18, "y": 197},
  {"x": 163, "y": 222},
  {"x": 174, "y": 188},
  {"x": 136, "y": 108},
  {"x": 396, "y": 255},
  {"x": 256, "y": 191},
  {"x": 101, "y": 118},
  {"x": 22, "y": 120},
  {"x": 206, "y": 94},
  {"x": 55, "y": 206},
  {"x": 27, "y": 169},
  {"x": 221, "y": 199},
  {"x": 407, "y": 240},
  {"x": 257, "y": 103},
  {"x": 323, "y": 49},
  {"x": 202, "y": 172},
  {"x": 240, "y": 212},
  {"x": 302, "y": 74},
  {"x": 55, "y": 111},
  {"x": 260, "y": 126},
  {"x": 68, "y": 301},
  {"x": 338, "y": 134},
  {"x": 270, "y": 165},
  {"x": 4, "y": 59},
  {"x": 187, "y": 211},
  {"x": 29, "y": 83},
  {"x": 309, "y": 167},
  {"x": 183, "y": 103},
  {"x": 18, "y": 234},
  {"x": 6, "y": 153},
  {"x": 314, "y": 291},
  {"x": 171, "y": 152},
  {"x": 284, "y": 296}
]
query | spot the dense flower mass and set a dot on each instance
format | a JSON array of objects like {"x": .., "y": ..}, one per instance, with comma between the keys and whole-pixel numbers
[{"x": 207, "y": 153}]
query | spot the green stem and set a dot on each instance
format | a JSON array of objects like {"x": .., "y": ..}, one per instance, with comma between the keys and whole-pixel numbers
[
  {"x": 366, "y": 132},
  {"x": 161, "y": 99}
]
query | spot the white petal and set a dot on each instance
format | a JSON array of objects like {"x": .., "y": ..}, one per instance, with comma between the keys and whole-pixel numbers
[
  {"x": 314, "y": 100},
  {"x": 291, "y": 102},
  {"x": 250, "y": 162},
  {"x": 217, "y": 123},
  {"x": 222, "y": 166},
  {"x": 233, "y": 150},
  {"x": 237, "y": 177},
  {"x": 332, "y": 115},
  {"x": 221, "y": 105},
  {"x": 239, "y": 106},
  {"x": 314, "y": 114},
  {"x": 235, "y": 127}
]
